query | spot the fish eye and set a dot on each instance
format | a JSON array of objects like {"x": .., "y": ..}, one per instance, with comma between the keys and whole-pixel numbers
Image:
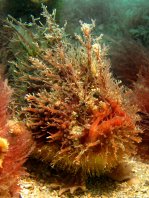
[{"x": 96, "y": 94}]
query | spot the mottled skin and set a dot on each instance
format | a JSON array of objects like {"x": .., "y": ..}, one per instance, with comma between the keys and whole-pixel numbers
[{"x": 80, "y": 117}]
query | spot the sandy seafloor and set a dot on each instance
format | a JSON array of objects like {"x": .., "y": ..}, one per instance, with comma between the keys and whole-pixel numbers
[{"x": 37, "y": 184}]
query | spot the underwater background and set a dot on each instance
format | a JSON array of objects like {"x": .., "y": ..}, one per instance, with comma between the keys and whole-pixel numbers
[
  {"x": 120, "y": 22},
  {"x": 69, "y": 69},
  {"x": 117, "y": 18}
]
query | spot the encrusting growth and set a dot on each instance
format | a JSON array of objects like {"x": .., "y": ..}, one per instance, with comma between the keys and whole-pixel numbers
[
  {"x": 15, "y": 146},
  {"x": 3, "y": 149},
  {"x": 80, "y": 116}
]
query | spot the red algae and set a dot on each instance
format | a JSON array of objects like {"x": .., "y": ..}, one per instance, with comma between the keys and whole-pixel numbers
[{"x": 14, "y": 148}]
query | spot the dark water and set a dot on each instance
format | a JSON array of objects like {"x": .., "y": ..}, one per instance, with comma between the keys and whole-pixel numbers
[{"x": 116, "y": 18}]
